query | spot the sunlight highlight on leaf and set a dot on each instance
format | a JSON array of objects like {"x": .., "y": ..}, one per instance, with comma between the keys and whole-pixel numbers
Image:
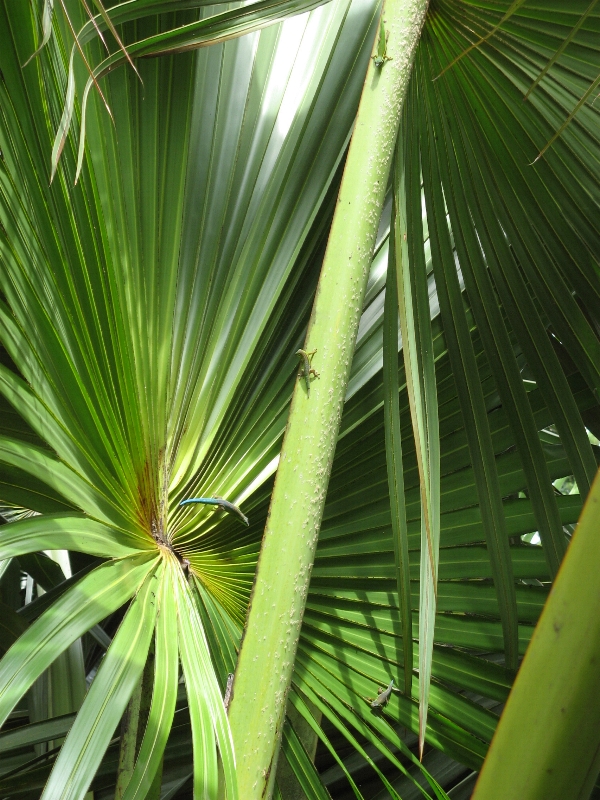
[
  {"x": 46, "y": 29},
  {"x": 65, "y": 122},
  {"x": 218, "y": 28},
  {"x": 210, "y": 726},
  {"x": 107, "y": 697}
]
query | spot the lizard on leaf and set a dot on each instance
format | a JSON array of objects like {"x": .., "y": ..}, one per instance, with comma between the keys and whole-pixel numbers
[
  {"x": 222, "y": 505},
  {"x": 306, "y": 369},
  {"x": 383, "y": 696}
]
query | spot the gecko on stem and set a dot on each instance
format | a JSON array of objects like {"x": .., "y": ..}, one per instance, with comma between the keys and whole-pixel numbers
[
  {"x": 381, "y": 55},
  {"x": 306, "y": 369}
]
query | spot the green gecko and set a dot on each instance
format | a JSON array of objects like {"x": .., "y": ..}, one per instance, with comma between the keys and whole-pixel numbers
[
  {"x": 383, "y": 696},
  {"x": 381, "y": 56},
  {"x": 306, "y": 367},
  {"x": 222, "y": 505}
]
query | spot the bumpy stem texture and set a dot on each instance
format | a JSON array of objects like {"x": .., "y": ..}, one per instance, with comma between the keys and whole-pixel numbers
[{"x": 279, "y": 596}]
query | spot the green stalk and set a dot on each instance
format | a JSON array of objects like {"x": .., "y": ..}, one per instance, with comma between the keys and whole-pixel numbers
[
  {"x": 133, "y": 725},
  {"x": 129, "y": 736},
  {"x": 278, "y": 599},
  {"x": 145, "y": 703},
  {"x": 547, "y": 744}
]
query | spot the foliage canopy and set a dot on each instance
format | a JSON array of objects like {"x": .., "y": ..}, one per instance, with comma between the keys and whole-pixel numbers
[{"x": 149, "y": 317}]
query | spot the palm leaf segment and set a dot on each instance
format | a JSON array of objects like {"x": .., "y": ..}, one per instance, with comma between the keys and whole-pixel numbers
[
  {"x": 169, "y": 293},
  {"x": 155, "y": 281}
]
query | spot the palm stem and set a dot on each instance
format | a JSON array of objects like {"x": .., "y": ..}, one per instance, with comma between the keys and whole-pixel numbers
[
  {"x": 129, "y": 736},
  {"x": 132, "y": 729},
  {"x": 278, "y": 599}
]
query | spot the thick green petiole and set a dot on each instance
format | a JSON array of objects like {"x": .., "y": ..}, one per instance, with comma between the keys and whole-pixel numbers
[{"x": 257, "y": 709}]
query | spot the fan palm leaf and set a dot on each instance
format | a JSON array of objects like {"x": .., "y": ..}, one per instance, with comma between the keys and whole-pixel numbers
[
  {"x": 150, "y": 315},
  {"x": 144, "y": 359}
]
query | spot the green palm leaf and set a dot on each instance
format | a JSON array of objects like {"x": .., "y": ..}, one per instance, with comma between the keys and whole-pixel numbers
[
  {"x": 105, "y": 702},
  {"x": 150, "y": 317},
  {"x": 137, "y": 398},
  {"x": 88, "y": 602},
  {"x": 70, "y": 532},
  {"x": 164, "y": 697},
  {"x": 413, "y": 303},
  {"x": 393, "y": 440}
]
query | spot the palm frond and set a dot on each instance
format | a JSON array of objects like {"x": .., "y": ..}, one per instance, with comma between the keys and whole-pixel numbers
[{"x": 150, "y": 317}]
